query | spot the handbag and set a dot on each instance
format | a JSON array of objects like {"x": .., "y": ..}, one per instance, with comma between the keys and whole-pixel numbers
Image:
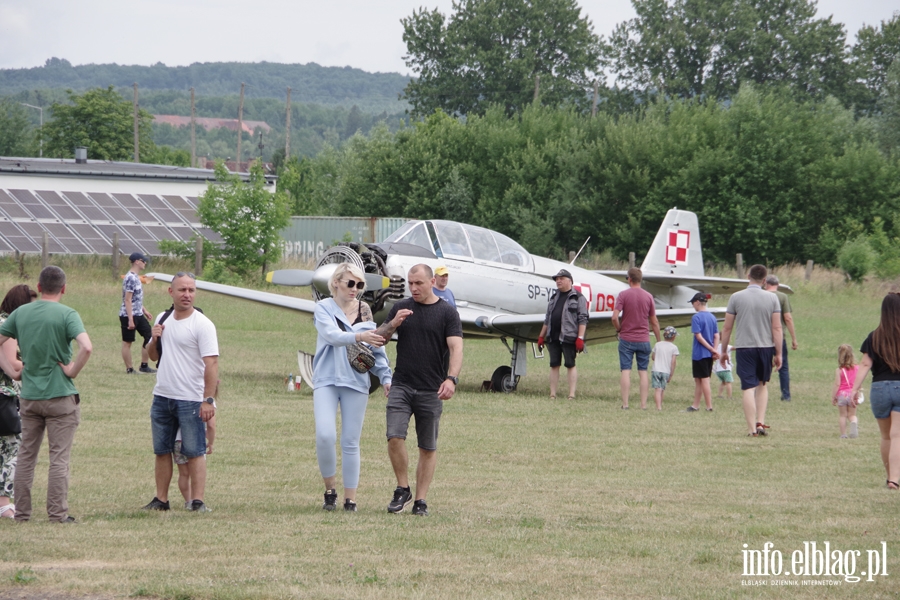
[
  {"x": 10, "y": 423},
  {"x": 860, "y": 397},
  {"x": 359, "y": 354}
]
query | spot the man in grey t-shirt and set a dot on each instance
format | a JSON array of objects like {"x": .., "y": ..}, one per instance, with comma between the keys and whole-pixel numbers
[{"x": 755, "y": 315}]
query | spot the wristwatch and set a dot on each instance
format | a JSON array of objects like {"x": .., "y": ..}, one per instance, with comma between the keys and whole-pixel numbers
[
  {"x": 209, "y": 400},
  {"x": 455, "y": 380}
]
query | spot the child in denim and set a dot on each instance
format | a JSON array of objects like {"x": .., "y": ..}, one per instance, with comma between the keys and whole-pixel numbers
[
  {"x": 184, "y": 478},
  {"x": 664, "y": 357}
]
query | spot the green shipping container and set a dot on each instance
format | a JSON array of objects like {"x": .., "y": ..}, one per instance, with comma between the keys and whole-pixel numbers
[{"x": 307, "y": 238}]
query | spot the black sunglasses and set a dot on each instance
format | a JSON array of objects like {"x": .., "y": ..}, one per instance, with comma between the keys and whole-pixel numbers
[{"x": 357, "y": 284}]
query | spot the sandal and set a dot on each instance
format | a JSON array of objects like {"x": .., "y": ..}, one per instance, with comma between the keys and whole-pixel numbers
[
  {"x": 754, "y": 434},
  {"x": 8, "y": 508},
  {"x": 553, "y": 397},
  {"x": 761, "y": 429},
  {"x": 571, "y": 397},
  {"x": 893, "y": 485}
]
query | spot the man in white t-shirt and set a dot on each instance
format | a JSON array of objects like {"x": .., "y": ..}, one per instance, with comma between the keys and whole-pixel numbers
[{"x": 188, "y": 363}]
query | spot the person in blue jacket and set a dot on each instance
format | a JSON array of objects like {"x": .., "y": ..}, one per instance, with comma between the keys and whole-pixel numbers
[{"x": 337, "y": 384}]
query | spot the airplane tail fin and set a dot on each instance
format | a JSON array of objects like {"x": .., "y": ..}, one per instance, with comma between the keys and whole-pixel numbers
[{"x": 676, "y": 249}]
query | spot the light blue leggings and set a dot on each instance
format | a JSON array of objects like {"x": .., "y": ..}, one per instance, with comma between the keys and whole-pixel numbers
[{"x": 353, "y": 412}]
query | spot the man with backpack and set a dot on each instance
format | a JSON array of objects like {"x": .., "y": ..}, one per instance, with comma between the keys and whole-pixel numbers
[{"x": 186, "y": 383}]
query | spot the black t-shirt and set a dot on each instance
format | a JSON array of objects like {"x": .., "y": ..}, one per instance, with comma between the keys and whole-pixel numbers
[
  {"x": 880, "y": 370},
  {"x": 556, "y": 317},
  {"x": 422, "y": 352}
]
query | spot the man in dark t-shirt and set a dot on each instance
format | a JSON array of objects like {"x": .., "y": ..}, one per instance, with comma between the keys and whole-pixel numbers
[{"x": 429, "y": 359}]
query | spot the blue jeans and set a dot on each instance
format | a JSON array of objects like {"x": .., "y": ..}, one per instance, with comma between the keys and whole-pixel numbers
[
  {"x": 784, "y": 376},
  {"x": 166, "y": 416},
  {"x": 628, "y": 351},
  {"x": 885, "y": 398}
]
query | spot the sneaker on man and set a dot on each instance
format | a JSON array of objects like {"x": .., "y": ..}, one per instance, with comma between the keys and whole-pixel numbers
[
  {"x": 420, "y": 509},
  {"x": 402, "y": 497},
  {"x": 129, "y": 371},
  {"x": 147, "y": 369},
  {"x": 187, "y": 505},
  {"x": 330, "y": 500},
  {"x": 156, "y": 504},
  {"x": 349, "y": 505},
  {"x": 198, "y": 506}
]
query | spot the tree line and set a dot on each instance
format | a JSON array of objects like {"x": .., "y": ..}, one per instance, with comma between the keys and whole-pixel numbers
[
  {"x": 771, "y": 177},
  {"x": 310, "y": 83}
]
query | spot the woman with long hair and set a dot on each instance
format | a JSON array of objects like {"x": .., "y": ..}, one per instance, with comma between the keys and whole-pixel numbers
[
  {"x": 881, "y": 355},
  {"x": 341, "y": 321},
  {"x": 9, "y": 389}
]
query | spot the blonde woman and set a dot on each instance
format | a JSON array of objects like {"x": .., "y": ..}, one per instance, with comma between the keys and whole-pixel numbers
[{"x": 337, "y": 385}]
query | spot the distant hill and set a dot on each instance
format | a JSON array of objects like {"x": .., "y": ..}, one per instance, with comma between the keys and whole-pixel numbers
[{"x": 309, "y": 83}]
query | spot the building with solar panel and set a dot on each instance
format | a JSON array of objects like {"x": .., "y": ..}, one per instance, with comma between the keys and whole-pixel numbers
[{"x": 81, "y": 204}]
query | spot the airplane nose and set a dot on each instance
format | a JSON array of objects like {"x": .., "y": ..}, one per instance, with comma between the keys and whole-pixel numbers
[{"x": 321, "y": 278}]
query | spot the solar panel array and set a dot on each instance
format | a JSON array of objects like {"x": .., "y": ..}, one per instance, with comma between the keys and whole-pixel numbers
[{"x": 84, "y": 223}]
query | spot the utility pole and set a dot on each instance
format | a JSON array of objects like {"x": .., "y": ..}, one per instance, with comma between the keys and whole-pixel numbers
[
  {"x": 287, "y": 137},
  {"x": 193, "y": 133},
  {"x": 137, "y": 155},
  {"x": 240, "y": 129},
  {"x": 42, "y": 125},
  {"x": 594, "y": 102}
]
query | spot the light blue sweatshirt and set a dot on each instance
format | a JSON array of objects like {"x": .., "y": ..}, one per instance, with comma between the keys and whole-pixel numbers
[{"x": 330, "y": 365}]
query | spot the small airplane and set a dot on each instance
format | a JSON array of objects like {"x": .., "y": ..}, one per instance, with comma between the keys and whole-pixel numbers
[{"x": 501, "y": 290}]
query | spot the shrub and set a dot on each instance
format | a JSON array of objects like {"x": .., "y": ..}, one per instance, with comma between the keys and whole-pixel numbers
[{"x": 857, "y": 258}]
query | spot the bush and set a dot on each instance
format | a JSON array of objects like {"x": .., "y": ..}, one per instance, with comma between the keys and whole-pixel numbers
[{"x": 857, "y": 258}]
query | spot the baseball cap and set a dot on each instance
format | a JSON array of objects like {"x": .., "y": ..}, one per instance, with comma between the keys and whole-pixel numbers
[
  {"x": 698, "y": 297},
  {"x": 138, "y": 256},
  {"x": 441, "y": 270},
  {"x": 563, "y": 273},
  {"x": 669, "y": 332}
]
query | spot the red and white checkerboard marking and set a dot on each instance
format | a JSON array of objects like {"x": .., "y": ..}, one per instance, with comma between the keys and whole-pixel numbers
[{"x": 677, "y": 246}]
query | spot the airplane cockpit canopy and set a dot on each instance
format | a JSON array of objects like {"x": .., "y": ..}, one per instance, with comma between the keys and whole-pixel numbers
[{"x": 461, "y": 241}]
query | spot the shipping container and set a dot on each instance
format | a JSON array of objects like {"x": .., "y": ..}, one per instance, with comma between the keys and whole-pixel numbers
[{"x": 307, "y": 238}]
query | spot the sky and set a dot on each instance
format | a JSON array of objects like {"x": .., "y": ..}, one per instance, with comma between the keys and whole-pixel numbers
[{"x": 365, "y": 34}]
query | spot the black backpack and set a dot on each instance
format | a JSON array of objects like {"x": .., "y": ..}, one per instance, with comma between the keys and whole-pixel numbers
[{"x": 166, "y": 315}]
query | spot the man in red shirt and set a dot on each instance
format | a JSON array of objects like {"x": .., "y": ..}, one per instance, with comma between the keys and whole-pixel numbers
[{"x": 637, "y": 308}]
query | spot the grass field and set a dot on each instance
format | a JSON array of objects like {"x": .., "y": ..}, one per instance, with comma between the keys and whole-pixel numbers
[{"x": 532, "y": 498}]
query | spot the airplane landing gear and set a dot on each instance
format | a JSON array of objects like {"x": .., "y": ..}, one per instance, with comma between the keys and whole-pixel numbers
[
  {"x": 506, "y": 379},
  {"x": 503, "y": 381}
]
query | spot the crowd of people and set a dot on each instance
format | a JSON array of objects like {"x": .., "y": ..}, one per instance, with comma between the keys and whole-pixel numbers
[{"x": 38, "y": 369}]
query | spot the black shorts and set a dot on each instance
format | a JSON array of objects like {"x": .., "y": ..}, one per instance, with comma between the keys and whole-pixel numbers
[
  {"x": 702, "y": 368},
  {"x": 558, "y": 350},
  {"x": 141, "y": 326},
  {"x": 753, "y": 366}
]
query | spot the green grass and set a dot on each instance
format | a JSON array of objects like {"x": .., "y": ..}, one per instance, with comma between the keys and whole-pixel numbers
[{"x": 531, "y": 498}]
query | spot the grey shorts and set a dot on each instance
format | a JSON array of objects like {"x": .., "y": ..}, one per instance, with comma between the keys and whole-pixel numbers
[{"x": 404, "y": 402}]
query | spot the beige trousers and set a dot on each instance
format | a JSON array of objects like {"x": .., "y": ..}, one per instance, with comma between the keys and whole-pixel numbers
[{"x": 60, "y": 418}]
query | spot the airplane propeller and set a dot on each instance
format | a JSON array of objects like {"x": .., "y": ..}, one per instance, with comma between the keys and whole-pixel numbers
[{"x": 320, "y": 278}]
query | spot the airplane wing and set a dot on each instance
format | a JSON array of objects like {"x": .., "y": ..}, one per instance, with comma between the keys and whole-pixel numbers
[
  {"x": 709, "y": 285},
  {"x": 269, "y": 298},
  {"x": 479, "y": 323}
]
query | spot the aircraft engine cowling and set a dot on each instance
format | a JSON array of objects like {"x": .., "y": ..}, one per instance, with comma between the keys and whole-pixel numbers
[{"x": 334, "y": 256}]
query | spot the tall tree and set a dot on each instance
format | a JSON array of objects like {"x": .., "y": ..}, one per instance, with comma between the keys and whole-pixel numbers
[
  {"x": 707, "y": 48},
  {"x": 16, "y": 135},
  {"x": 875, "y": 50},
  {"x": 492, "y": 52},
  {"x": 101, "y": 120}
]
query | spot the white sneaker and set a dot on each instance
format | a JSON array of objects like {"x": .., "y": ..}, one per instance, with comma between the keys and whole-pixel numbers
[{"x": 854, "y": 429}]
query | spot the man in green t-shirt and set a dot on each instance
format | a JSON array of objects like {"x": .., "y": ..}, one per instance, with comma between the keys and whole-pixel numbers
[{"x": 48, "y": 401}]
